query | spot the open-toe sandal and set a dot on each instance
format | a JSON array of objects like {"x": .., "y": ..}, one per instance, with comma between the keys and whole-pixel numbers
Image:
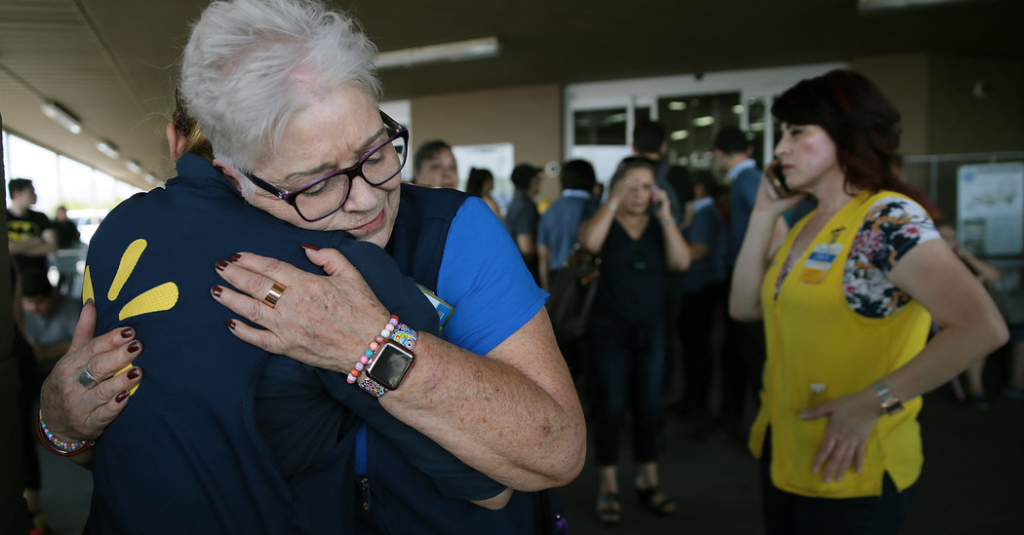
[
  {"x": 656, "y": 501},
  {"x": 609, "y": 509}
]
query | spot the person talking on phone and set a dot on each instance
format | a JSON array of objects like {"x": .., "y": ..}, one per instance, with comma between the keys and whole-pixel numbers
[
  {"x": 624, "y": 343},
  {"x": 847, "y": 302}
]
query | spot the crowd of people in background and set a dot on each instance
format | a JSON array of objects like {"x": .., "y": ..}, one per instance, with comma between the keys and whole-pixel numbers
[{"x": 697, "y": 266}]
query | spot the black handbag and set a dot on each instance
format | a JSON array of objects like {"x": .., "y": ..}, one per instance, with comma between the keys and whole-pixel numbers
[{"x": 572, "y": 293}]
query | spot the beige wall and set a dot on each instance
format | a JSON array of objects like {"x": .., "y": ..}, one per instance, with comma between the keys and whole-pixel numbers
[
  {"x": 905, "y": 81},
  {"x": 529, "y": 117},
  {"x": 941, "y": 113},
  {"x": 961, "y": 121}
]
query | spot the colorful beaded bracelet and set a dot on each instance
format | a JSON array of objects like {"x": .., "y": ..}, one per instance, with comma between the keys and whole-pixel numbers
[
  {"x": 385, "y": 333},
  {"x": 57, "y": 446},
  {"x": 404, "y": 336}
]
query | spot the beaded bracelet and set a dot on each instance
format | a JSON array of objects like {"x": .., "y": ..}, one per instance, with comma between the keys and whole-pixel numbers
[
  {"x": 404, "y": 336},
  {"x": 57, "y": 446},
  {"x": 385, "y": 333}
]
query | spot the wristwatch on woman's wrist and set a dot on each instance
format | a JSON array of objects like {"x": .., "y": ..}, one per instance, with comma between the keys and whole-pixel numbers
[{"x": 890, "y": 403}]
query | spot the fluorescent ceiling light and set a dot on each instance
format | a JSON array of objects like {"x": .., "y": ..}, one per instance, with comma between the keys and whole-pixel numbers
[
  {"x": 679, "y": 135},
  {"x": 486, "y": 47},
  {"x": 108, "y": 148},
  {"x": 737, "y": 109},
  {"x": 871, "y": 5},
  {"x": 676, "y": 105},
  {"x": 757, "y": 127},
  {"x": 62, "y": 116},
  {"x": 148, "y": 177},
  {"x": 707, "y": 120},
  {"x": 133, "y": 166}
]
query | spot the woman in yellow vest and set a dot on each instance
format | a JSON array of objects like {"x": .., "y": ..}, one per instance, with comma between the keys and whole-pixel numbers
[{"x": 847, "y": 300}]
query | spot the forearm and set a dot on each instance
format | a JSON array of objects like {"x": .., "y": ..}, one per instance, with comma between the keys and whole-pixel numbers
[
  {"x": 522, "y": 427},
  {"x": 948, "y": 353},
  {"x": 543, "y": 259},
  {"x": 745, "y": 294},
  {"x": 594, "y": 231},
  {"x": 677, "y": 251},
  {"x": 527, "y": 244}
]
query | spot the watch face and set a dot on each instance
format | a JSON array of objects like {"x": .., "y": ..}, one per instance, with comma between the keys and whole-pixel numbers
[{"x": 390, "y": 366}]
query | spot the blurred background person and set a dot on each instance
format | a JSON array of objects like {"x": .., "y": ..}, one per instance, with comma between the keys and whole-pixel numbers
[
  {"x": 30, "y": 234},
  {"x": 639, "y": 244},
  {"x": 522, "y": 217},
  {"x": 557, "y": 236},
  {"x": 68, "y": 235},
  {"x": 704, "y": 295},
  {"x": 480, "y": 184},
  {"x": 434, "y": 166}
]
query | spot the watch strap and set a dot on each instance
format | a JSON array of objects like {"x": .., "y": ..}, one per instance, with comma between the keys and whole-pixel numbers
[{"x": 890, "y": 403}]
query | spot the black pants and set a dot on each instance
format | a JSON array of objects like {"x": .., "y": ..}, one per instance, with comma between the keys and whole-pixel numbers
[
  {"x": 743, "y": 356},
  {"x": 792, "y": 514},
  {"x": 701, "y": 310}
]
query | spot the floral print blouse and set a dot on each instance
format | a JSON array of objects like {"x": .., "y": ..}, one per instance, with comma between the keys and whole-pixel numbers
[{"x": 892, "y": 227}]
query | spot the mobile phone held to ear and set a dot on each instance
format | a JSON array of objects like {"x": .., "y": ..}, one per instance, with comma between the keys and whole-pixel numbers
[{"x": 776, "y": 181}]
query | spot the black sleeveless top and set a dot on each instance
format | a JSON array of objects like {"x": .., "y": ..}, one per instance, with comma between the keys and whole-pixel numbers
[{"x": 632, "y": 283}]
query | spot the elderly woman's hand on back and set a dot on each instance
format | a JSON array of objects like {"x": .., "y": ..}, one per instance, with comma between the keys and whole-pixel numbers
[{"x": 85, "y": 392}]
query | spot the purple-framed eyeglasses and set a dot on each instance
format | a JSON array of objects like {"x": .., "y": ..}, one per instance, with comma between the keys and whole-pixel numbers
[{"x": 325, "y": 195}]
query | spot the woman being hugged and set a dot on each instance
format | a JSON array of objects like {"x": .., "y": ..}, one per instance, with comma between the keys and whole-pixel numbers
[
  {"x": 847, "y": 302},
  {"x": 639, "y": 242}
]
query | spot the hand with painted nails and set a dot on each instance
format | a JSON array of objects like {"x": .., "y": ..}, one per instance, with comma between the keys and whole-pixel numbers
[
  {"x": 323, "y": 321},
  {"x": 87, "y": 390}
]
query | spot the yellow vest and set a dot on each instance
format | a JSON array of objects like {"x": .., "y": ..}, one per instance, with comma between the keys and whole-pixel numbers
[{"x": 815, "y": 338}]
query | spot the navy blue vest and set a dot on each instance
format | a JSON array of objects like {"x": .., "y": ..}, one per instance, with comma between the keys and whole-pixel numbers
[{"x": 186, "y": 454}]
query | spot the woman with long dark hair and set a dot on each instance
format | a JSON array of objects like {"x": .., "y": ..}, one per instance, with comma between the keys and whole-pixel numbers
[
  {"x": 847, "y": 302},
  {"x": 624, "y": 343}
]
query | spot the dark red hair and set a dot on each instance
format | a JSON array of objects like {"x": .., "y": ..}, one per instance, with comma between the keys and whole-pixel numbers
[{"x": 859, "y": 119}]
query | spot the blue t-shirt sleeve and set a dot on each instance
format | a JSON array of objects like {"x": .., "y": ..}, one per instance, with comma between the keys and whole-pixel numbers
[{"x": 485, "y": 280}]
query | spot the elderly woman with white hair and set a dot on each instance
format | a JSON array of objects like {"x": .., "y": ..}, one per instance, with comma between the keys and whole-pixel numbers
[{"x": 286, "y": 93}]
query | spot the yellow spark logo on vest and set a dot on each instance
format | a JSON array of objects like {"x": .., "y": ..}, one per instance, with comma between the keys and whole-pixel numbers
[{"x": 158, "y": 299}]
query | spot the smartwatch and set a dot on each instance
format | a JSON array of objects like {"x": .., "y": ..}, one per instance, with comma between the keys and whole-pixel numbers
[
  {"x": 390, "y": 364},
  {"x": 890, "y": 403}
]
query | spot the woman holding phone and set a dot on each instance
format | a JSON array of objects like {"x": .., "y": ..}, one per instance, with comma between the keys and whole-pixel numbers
[
  {"x": 847, "y": 302},
  {"x": 625, "y": 340}
]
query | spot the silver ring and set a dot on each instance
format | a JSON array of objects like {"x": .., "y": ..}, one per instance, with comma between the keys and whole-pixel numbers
[
  {"x": 275, "y": 293},
  {"x": 85, "y": 378}
]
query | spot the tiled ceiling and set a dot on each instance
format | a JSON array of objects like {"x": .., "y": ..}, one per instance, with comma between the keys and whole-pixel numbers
[{"x": 113, "y": 62}]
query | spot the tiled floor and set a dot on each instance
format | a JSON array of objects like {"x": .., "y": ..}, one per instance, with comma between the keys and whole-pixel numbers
[{"x": 973, "y": 481}]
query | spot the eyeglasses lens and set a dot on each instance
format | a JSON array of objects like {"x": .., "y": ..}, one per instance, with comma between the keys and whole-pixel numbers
[{"x": 328, "y": 194}]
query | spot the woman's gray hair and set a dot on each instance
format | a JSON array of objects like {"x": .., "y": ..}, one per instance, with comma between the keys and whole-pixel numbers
[{"x": 250, "y": 65}]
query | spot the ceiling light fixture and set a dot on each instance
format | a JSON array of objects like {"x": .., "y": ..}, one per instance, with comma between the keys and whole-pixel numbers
[
  {"x": 108, "y": 149},
  {"x": 701, "y": 122},
  {"x": 62, "y": 116},
  {"x": 486, "y": 47},
  {"x": 133, "y": 166},
  {"x": 679, "y": 135},
  {"x": 873, "y": 5}
]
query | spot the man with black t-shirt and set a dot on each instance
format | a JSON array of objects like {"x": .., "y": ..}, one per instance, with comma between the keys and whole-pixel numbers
[{"x": 30, "y": 235}]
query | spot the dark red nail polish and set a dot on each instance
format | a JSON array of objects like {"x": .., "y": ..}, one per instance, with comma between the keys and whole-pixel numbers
[
  {"x": 121, "y": 397},
  {"x": 217, "y": 290},
  {"x": 221, "y": 265},
  {"x": 231, "y": 324},
  {"x": 134, "y": 347},
  {"x": 310, "y": 247},
  {"x": 127, "y": 332},
  {"x": 133, "y": 373},
  {"x": 236, "y": 257}
]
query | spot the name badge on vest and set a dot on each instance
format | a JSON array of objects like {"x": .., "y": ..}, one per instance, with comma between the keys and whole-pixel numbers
[
  {"x": 819, "y": 262},
  {"x": 444, "y": 310}
]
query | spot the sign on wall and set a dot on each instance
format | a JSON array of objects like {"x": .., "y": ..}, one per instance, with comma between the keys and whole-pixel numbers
[{"x": 990, "y": 208}]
